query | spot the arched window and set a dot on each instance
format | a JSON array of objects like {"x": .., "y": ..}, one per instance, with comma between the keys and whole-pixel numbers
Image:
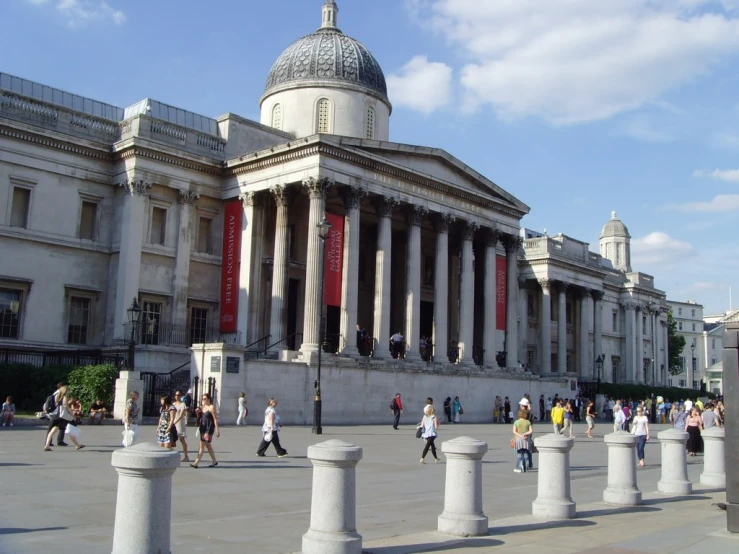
[
  {"x": 277, "y": 116},
  {"x": 369, "y": 127},
  {"x": 323, "y": 119}
]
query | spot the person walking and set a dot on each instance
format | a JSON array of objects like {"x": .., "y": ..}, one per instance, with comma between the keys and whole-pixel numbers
[
  {"x": 166, "y": 430},
  {"x": 558, "y": 417},
  {"x": 641, "y": 431},
  {"x": 243, "y": 410},
  {"x": 457, "y": 409},
  {"x": 522, "y": 431},
  {"x": 569, "y": 415},
  {"x": 131, "y": 420},
  {"x": 271, "y": 431},
  {"x": 396, "y": 406},
  {"x": 429, "y": 424},
  {"x": 549, "y": 406},
  {"x": 542, "y": 408},
  {"x": 709, "y": 417},
  {"x": 497, "y": 410},
  {"x": 590, "y": 418},
  {"x": 619, "y": 420},
  {"x": 180, "y": 423},
  {"x": 679, "y": 418},
  {"x": 207, "y": 427},
  {"x": 64, "y": 416},
  {"x": 448, "y": 409},
  {"x": 51, "y": 407},
  {"x": 693, "y": 426}
]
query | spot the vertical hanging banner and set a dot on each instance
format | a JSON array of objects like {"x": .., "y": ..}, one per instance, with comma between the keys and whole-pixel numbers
[
  {"x": 500, "y": 292},
  {"x": 333, "y": 255},
  {"x": 230, "y": 266}
]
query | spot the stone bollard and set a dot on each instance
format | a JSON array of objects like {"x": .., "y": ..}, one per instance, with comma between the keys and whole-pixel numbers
[
  {"x": 333, "y": 521},
  {"x": 143, "y": 510},
  {"x": 553, "y": 499},
  {"x": 621, "y": 489},
  {"x": 463, "y": 515},
  {"x": 674, "y": 463},
  {"x": 714, "y": 463}
]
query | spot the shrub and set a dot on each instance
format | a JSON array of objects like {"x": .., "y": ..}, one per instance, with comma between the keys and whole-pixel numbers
[
  {"x": 640, "y": 392},
  {"x": 29, "y": 385},
  {"x": 90, "y": 382}
]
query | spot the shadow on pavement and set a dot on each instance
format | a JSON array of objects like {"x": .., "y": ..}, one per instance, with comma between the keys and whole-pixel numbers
[
  {"x": 558, "y": 524},
  {"x": 611, "y": 511},
  {"x": 19, "y": 530},
  {"x": 653, "y": 501},
  {"x": 456, "y": 544},
  {"x": 17, "y": 464}
]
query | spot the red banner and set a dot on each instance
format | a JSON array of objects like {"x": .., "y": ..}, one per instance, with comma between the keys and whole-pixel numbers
[
  {"x": 230, "y": 266},
  {"x": 500, "y": 292},
  {"x": 333, "y": 261}
]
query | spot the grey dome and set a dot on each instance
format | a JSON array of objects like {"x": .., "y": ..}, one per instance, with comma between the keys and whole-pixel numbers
[
  {"x": 614, "y": 228},
  {"x": 327, "y": 57}
]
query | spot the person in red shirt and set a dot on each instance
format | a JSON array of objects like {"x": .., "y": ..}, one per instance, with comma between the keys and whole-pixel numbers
[{"x": 396, "y": 406}]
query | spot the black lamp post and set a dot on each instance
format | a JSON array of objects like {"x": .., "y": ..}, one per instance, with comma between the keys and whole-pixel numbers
[
  {"x": 134, "y": 313},
  {"x": 599, "y": 366},
  {"x": 324, "y": 226}
]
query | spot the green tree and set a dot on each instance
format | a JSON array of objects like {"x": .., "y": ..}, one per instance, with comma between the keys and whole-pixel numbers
[{"x": 675, "y": 345}]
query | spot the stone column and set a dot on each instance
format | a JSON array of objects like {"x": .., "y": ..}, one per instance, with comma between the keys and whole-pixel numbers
[
  {"x": 621, "y": 489},
  {"x": 181, "y": 276},
  {"x": 385, "y": 206},
  {"x": 352, "y": 197},
  {"x": 317, "y": 189},
  {"x": 441, "y": 289},
  {"x": 630, "y": 308},
  {"x": 133, "y": 223},
  {"x": 562, "y": 329},
  {"x": 463, "y": 515},
  {"x": 523, "y": 321},
  {"x": 584, "y": 336},
  {"x": 467, "y": 300},
  {"x": 333, "y": 524},
  {"x": 250, "y": 272},
  {"x": 512, "y": 244},
  {"x": 639, "y": 355},
  {"x": 674, "y": 463},
  {"x": 546, "y": 326},
  {"x": 143, "y": 510},
  {"x": 280, "y": 268},
  {"x": 598, "y": 327},
  {"x": 413, "y": 283},
  {"x": 491, "y": 299},
  {"x": 714, "y": 462},
  {"x": 553, "y": 500}
]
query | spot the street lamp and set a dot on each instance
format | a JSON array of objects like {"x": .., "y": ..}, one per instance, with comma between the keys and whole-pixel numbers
[
  {"x": 324, "y": 227},
  {"x": 134, "y": 313},
  {"x": 599, "y": 366}
]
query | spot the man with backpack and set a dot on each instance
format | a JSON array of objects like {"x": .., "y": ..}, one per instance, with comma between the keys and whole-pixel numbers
[
  {"x": 396, "y": 406},
  {"x": 50, "y": 409}
]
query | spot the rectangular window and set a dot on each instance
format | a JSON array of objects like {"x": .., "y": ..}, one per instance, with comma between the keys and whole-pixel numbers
[
  {"x": 615, "y": 364},
  {"x": 682, "y": 383},
  {"x": 614, "y": 322},
  {"x": 693, "y": 326},
  {"x": 198, "y": 325},
  {"x": 205, "y": 236},
  {"x": 569, "y": 362},
  {"x": 680, "y": 325},
  {"x": 292, "y": 245},
  {"x": 695, "y": 384},
  {"x": 151, "y": 317},
  {"x": 682, "y": 362},
  {"x": 568, "y": 314},
  {"x": 679, "y": 311},
  {"x": 713, "y": 344},
  {"x": 79, "y": 316},
  {"x": 530, "y": 306},
  {"x": 20, "y": 207},
  {"x": 88, "y": 220},
  {"x": 692, "y": 312},
  {"x": 644, "y": 325},
  {"x": 158, "y": 234},
  {"x": 10, "y": 310}
]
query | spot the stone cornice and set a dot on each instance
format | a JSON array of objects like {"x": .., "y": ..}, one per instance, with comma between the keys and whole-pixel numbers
[
  {"x": 142, "y": 152},
  {"x": 56, "y": 144}
]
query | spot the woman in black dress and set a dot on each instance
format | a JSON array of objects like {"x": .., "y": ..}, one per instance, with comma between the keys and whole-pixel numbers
[
  {"x": 167, "y": 432},
  {"x": 207, "y": 427},
  {"x": 448, "y": 409}
]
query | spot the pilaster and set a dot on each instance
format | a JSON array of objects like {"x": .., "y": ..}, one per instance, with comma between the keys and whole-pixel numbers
[
  {"x": 562, "y": 329},
  {"x": 282, "y": 196},
  {"x": 385, "y": 207},
  {"x": 584, "y": 336},
  {"x": 250, "y": 272},
  {"x": 512, "y": 245},
  {"x": 491, "y": 299},
  {"x": 441, "y": 288},
  {"x": 546, "y": 326},
  {"x": 415, "y": 215},
  {"x": 352, "y": 197},
  {"x": 467, "y": 294}
]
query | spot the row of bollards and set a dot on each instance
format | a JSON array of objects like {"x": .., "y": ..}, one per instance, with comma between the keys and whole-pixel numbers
[{"x": 143, "y": 507}]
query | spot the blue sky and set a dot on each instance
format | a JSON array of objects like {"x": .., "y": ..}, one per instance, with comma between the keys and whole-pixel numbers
[{"x": 576, "y": 107}]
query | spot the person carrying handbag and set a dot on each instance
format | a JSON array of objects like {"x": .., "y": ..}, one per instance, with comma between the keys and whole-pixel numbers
[
  {"x": 429, "y": 424},
  {"x": 457, "y": 409}
]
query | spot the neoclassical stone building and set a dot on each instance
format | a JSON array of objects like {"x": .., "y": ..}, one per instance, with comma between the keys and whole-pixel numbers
[{"x": 213, "y": 225}]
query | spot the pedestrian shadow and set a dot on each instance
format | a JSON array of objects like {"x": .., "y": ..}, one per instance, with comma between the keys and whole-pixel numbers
[
  {"x": 586, "y": 468},
  {"x": 616, "y": 510},
  {"x": 250, "y": 466},
  {"x": 20, "y": 530},
  {"x": 442, "y": 546},
  {"x": 539, "y": 525},
  {"x": 17, "y": 464},
  {"x": 681, "y": 498}
]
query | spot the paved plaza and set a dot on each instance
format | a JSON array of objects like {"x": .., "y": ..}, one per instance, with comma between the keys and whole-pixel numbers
[{"x": 64, "y": 501}]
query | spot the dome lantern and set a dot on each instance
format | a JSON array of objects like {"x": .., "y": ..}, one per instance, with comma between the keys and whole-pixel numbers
[{"x": 615, "y": 243}]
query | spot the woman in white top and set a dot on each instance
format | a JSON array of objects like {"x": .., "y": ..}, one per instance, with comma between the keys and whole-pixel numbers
[
  {"x": 271, "y": 431},
  {"x": 430, "y": 424},
  {"x": 641, "y": 430},
  {"x": 619, "y": 419},
  {"x": 243, "y": 411},
  {"x": 180, "y": 423}
]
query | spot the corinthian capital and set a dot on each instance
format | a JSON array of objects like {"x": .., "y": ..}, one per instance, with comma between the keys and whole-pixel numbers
[
  {"x": 250, "y": 199},
  {"x": 512, "y": 243},
  {"x": 492, "y": 236},
  {"x": 386, "y": 205},
  {"x": 135, "y": 186},
  {"x": 442, "y": 222},
  {"x": 352, "y": 197},
  {"x": 188, "y": 196},
  {"x": 416, "y": 214},
  {"x": 282, "y": 194},
  {"x": 317, "y": 188},
  {"x": 468, "y": 229}
]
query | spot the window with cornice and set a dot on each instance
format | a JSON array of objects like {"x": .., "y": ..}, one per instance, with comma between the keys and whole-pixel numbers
[
  {"x": 277, "y": 117},
  {"x": 369, "y": 131},
  {"x": 323, "y": 120}
]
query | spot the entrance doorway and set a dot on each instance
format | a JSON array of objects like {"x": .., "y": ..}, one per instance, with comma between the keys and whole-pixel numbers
[
  {"x": 426, "y": 328},
  {"x": 333, "y": 328}
]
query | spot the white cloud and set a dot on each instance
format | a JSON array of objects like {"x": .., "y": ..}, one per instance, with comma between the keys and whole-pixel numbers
[
  {"x": 659, "y": 248},
  {"x": 731, "y": 175},
  {"x": 421, "y": 85},
  {"x": 642, "y": 129},
  {"x": 573, "y": 61},
  {"x": 719, "y": 204},
  {"x": 79, "y": 13}
]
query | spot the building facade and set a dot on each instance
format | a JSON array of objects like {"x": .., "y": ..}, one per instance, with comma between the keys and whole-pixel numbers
[
  {"x": 214, "y": 226},
  {"x": 688, "y": 317}
]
